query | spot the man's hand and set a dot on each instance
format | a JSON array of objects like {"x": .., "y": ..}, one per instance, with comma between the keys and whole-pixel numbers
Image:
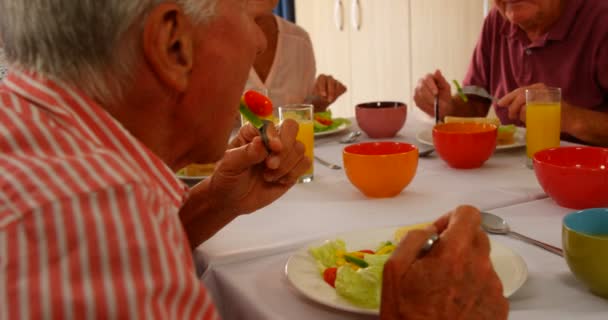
[
  {"x": 326, "y": 91},
  {"x": 245, "y": 180},
  {"x": 454, "y": 280},
  {"x": 248, "y": 178},
  {"x": 433, "y": 84},
  {"x": 515, "y": 101}
]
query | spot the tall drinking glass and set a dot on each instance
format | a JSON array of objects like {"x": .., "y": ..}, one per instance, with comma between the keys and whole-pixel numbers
[
  {"x": 303, "y": 115},
  {"x": 543, "y": 119}
]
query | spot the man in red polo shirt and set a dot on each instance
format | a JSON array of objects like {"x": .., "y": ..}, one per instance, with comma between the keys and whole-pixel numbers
[{"x": 532, "y": 43}]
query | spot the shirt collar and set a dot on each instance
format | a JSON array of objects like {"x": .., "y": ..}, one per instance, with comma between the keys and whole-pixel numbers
[{"x": 97, "y": 125}]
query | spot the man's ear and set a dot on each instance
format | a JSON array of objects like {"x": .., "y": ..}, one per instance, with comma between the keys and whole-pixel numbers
[{"x": 167, "y": 45}]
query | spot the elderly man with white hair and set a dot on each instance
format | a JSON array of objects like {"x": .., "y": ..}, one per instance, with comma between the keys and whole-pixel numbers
[{"x": 104, "y": 101}]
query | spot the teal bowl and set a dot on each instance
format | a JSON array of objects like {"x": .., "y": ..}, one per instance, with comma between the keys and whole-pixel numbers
[{"x": 585, "y": 242}]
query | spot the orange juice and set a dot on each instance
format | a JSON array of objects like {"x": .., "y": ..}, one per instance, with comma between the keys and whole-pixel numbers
[
  {"x": 302, "y": 114},
  {"x": 543, "y": 121},
  {"x": 306, "y": 135}
]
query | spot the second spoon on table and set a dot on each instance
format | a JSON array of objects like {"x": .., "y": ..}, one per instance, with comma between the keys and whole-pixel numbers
[{"x": 494, "y": 224}]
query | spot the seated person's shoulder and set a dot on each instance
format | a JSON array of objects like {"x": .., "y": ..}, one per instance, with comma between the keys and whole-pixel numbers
[
  {"x": 33, "y": 180},
  {"x": 291, "y": 29}
]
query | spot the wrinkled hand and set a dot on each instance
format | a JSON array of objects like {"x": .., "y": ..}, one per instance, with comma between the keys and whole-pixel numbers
[
  {"x": 326, "y": 91},
  {"x": 515, "y": 101},
  {"x": 247, "y": 178},
  {"x": 455, "y": 280},
  {"x": 433, "y": 84}
]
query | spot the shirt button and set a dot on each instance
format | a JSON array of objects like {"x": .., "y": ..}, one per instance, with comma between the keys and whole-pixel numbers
[{"x": 528, "y": 51}]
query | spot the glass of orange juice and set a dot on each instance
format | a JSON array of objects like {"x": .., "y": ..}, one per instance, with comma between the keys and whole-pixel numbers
[
  {"x": 543, "y": 119},
  {"x": 303, "y": 115}
]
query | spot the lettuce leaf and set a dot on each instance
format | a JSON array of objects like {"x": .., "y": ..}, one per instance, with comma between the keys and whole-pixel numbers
[
  {"x": 362, "y": 287},
  {"x": 326, "y": 255}
]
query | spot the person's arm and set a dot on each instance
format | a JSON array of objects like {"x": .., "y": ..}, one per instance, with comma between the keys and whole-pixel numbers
[
  {"x": 245, "y": 180},
  {"x": 584, "y": 124},
  {"x": 435, "y": 84}
]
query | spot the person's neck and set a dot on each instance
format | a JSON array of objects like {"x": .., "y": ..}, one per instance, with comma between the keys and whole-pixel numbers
[
  {"x": 148, "y": 120},
  {"x": 536, "y": 29},
  {"x": 268, "y": 24}
]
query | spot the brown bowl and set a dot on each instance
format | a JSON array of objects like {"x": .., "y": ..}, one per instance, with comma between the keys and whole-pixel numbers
[{"x": 381, "y": 119}]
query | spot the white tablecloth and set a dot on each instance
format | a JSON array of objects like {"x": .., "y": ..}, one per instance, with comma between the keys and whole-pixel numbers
[
  {"x": 331, "y": 204},
  {"x": 247, "y": 258}
]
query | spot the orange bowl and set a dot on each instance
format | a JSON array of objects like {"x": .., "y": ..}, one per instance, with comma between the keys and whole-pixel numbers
[
  {"x": 380, "y": 169},
  {"x": 465, "y": 145},
  {"x": 575, "y": 177}
]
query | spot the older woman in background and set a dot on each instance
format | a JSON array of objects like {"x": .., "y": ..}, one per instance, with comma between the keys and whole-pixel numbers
[{"x": 286, "y": 69}]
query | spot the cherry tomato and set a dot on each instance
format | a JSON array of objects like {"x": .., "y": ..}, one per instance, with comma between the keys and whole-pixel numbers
[
  {"x": 323, "y": 121},
  {"x": 367, "y": 251},
  {"x": 258, "y": 103},
  {"x": 329, "y": 275}
]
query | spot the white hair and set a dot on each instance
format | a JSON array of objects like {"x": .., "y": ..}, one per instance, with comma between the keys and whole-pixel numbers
[{"x": 82, "y": 42}]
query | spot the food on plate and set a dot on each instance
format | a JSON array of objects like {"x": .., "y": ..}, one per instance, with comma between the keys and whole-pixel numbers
[
  {"x": 401, "y": 232},
  {"x": 356, "y": 275},
  {"x": 324, "y": 122},
  {"x": 505, "y": 133},
  {"x": 460, "y": 92},
  {"x": 494, "y": 121}
]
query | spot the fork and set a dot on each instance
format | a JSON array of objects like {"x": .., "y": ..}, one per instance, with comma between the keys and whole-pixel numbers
[
  {"x": 328, "y": 164},
  {"x": 478, "y": 91}
]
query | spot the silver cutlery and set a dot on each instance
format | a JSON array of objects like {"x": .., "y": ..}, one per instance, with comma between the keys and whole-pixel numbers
[
  {"x": 478, "y": 91},
  {"x": 351, "y": 137},
  {"x": 328, "y": 164},
  {"x": 494, "y": 224},
  {"x": 426, "y": 153}
]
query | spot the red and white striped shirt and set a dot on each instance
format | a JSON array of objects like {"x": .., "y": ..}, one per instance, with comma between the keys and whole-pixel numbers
[{"x": 89, "y": 225}]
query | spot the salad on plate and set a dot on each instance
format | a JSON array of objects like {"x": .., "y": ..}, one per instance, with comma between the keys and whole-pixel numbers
[
  {"x": 323, "y": 122},
  {"x": 357, "y": 275}
]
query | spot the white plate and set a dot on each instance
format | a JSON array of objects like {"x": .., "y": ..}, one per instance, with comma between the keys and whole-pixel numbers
[
  {"x": 426, "y": 137},
  {"x": 340, "y": 128},
  {"x": 303, "y": 273}
]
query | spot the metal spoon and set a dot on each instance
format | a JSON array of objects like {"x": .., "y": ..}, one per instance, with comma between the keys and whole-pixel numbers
[
  {"x": 494, "y": 224},
  {"x": 351, "y": 137},
  {"x": 426, "y": 153},
  {"x": 328, "y": 164},
  {"x": 478, "y": 91}
]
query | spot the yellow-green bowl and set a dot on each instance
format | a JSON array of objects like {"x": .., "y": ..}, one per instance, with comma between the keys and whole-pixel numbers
[{"x": 585, "y": 242}]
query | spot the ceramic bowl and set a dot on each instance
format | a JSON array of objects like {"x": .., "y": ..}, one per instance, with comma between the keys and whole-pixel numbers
[
  {"x": 574, "y": 177},
  {"x": 585, "y": 243},
  {"x": 380, "y": 169},
  {"x": 382, "y": 119},
  {"x": 465, "y": 145}
]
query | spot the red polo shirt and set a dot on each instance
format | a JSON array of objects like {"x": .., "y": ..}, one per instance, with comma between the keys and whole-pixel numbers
[{"x": 572, "y": 55}]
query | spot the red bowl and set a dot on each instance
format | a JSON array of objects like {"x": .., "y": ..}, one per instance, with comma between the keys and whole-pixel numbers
[
  {"x": 381, "y": 119},
  {"x": 575, "y": 177},
  {"x": 465, "y": 145}
]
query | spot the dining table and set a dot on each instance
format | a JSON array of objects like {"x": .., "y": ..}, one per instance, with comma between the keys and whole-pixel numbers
[{"x": 243, "y": 265}]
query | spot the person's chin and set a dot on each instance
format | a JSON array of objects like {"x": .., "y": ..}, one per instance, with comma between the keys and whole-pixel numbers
[{"x": 519, "y": 17}]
